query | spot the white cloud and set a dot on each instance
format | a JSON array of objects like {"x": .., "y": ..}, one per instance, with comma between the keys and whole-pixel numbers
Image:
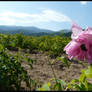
[
  {"x": 83, "y": 2},
  {"x": 16, "y": 18}
]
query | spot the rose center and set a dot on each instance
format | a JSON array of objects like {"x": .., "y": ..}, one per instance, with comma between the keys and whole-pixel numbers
[{"x": 83, "y": 47}]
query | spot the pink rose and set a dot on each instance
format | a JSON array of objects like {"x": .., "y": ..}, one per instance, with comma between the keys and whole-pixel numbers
[{"x": 81, "y": 45}]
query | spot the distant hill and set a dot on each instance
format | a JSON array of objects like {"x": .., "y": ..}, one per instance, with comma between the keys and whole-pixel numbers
[
  {"x": 16, "y": 29},
  {"x": 30, "y": 31}
]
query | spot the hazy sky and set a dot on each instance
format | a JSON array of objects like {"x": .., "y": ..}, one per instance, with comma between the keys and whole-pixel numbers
[{"x": 54, "y": 15}]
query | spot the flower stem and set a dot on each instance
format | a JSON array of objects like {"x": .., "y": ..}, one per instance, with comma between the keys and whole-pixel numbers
[{"x": 52, "y": 70}]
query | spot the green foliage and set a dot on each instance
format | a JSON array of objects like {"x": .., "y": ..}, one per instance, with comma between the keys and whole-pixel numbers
[
  {"x": 29, "y": 61},
  {"x": 45, "y": 87},
  {"x": 53, "y": 45},
  {"x": 82, "y": 84},
  {"x": 11, "y": 71},
  {"x": 64, "y": 60},
  {"x": 59, "y": 85}
]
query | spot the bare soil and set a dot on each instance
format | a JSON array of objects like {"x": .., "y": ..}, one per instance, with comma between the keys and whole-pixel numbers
[{"x": 42, "y": 70}]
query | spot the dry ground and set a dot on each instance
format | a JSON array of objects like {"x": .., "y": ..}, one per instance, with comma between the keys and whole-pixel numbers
[{"x": 42, "y": 70}]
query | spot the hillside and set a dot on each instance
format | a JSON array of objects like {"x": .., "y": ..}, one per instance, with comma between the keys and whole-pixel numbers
[
  {"x": 32, "y": 31},
  {"x": 25, "y": 30}
]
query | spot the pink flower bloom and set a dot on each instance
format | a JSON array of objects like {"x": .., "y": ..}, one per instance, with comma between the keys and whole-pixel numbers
[{"x": 81, "y": 44}]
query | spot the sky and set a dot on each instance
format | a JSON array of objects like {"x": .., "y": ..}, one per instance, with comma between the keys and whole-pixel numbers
[{"x": 52, "y": 15}]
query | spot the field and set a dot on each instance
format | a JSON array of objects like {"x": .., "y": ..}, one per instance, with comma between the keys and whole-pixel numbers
[{"x": 29, "y": 62}]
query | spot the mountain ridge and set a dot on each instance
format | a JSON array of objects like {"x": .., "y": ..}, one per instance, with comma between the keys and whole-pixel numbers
[{"x": 29, "y": 30}]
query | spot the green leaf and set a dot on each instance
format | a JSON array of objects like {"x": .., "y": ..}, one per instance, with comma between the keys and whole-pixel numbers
[
  {"x": 64, "y": 60},
  {"x": 88, "y": 72},
  {"x": 30, "y": 66},
  {"x": 59, "y": 85},
  {"x": 82, "y": 87},
  {"x": 1, "y": 47},
  {"x": 89, "y": 86},
  {"x": 82, "y": 77},
  {"x": 86, "y": 85},
  {"x": 62, "y": 82},
  {"x": 13, "y": 44},
  {"x": 73, "y": 84},
  {"x": 45, "y": 87},
  {"x": 74, "y": 81}
]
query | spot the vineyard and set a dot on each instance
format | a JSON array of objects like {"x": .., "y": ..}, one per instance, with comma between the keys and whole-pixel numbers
[{"x": 39, "y": 63}]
